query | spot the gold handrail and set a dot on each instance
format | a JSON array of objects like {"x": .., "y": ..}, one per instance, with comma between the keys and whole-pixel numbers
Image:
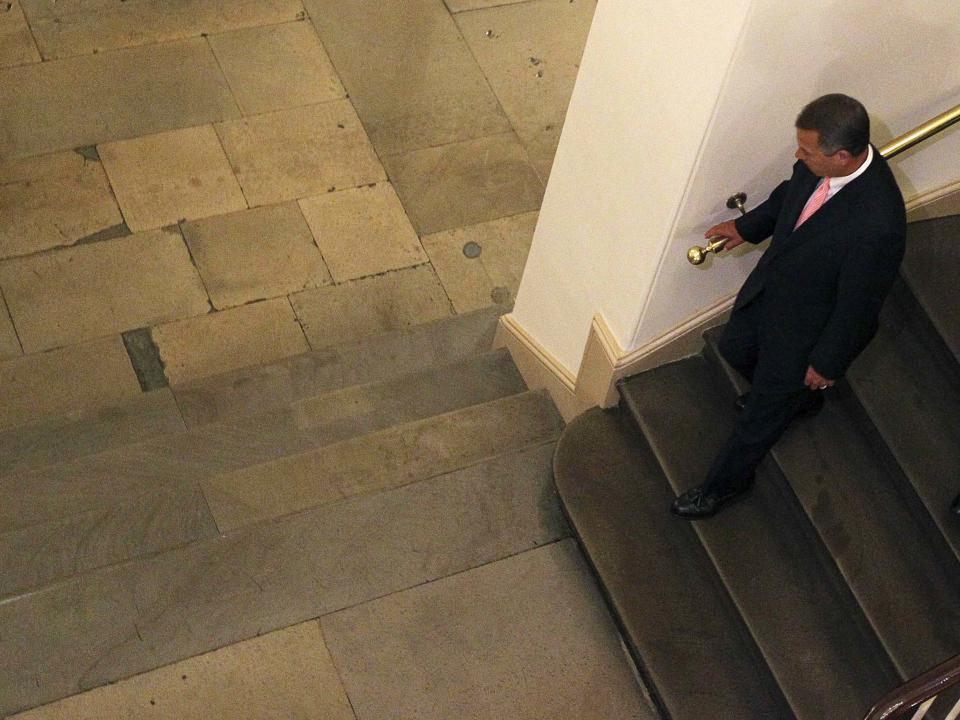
[
  {"x": 916, "y": 692},
  {"x": 716, "y": 243}
]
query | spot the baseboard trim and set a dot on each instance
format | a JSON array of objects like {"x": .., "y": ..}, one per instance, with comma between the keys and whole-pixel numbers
[
  {"x": 604, "y": 360},
  {"x": 941, "y": 202}
]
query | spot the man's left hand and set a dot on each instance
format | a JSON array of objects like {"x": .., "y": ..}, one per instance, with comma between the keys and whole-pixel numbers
[{"x": 816, "y": 381}]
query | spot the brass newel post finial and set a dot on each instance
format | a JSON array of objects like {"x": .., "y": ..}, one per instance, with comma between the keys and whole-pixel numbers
[{"x": 697, "y": 254}]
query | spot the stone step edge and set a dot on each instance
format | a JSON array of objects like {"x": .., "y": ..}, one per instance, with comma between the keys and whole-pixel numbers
[
  {"x": 252, "y": 416},
  {"x": 611, "y": 596}
]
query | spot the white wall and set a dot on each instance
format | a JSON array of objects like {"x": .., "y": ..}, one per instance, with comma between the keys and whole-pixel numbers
[{"x": 678, "y": 107}]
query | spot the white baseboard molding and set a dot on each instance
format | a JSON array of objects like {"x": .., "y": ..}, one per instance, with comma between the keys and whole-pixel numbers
[
  {"x": 941, "y": 202},
  {"x": 604, "y": 361}
]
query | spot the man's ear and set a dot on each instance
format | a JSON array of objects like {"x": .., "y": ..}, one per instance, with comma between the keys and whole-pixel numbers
[{"x": 844, "y": 156}]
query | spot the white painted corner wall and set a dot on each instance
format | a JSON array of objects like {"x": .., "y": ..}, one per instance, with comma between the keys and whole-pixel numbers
[{"x": 678, "y": 105}]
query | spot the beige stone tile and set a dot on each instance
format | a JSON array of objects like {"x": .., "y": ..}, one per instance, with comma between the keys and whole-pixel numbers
[
  {"x": 276, "y": 67},
  {"x": 16, "y": 43},
  {"x": 362, "y": 231},
  {"x": 455, "y": 6},
  {"x": 163, "y": 178},
  {"x": 53, "y": 200},
  {"x": 526, "y": 638},
  {"x": 9, "y": 343},
  {"x": 81, "y": 377},
  {"x": 283, "y": 674},
  {"x": 380, "y": 461},
  {"x": 531, "y": 62},
  {"x": 218, "y": 342},
  {"x": 79, "y": 27},
  {"x": 304, "y": 151},
  {"x": 90, "y": 291},
  {"x": 87, "y": 100},
  {"x": 494, "y": 276},
  {"x": 371, "y": 306},
  {"x": 255, "y": 254},
  {"x": 465, "y": 183},
  {"x": 409, "y": 73}
]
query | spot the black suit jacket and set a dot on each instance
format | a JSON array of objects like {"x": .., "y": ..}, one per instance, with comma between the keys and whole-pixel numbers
[{"x": 820, "y": 287}]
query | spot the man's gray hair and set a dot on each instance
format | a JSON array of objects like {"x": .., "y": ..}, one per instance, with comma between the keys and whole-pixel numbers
[{"x": 841, "y": 122}]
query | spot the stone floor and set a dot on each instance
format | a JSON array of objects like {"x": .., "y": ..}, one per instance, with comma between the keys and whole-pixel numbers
[{"x": 195, "y": 187}]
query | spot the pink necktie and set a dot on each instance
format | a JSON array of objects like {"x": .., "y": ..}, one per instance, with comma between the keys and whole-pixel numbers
[{"x": 818, "y": 199}]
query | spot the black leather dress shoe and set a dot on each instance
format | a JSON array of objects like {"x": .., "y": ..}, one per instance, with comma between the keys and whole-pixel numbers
[
  {"x": 955, "y": 505},
  {"x": 698, "y": 502},
  {"x": 812, "y": 404}
]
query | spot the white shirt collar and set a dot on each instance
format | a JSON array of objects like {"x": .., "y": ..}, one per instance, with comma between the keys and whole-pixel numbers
[{"x": 838, "y": 183}]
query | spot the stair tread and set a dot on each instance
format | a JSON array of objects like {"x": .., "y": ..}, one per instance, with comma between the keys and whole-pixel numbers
[
  {"x": 909, "y": 383},
  {"x": 30, "y": 447},
  {"x": 677, "y": 615},
  {"x": 107, "y": 497},
  {"x": 931, "y": 253},
  {"x": 809, "y": 628},
  {"x": 403, "y": 351},
  {"x": 854, "y": 495},
  {"x": 126, "y": 619}
]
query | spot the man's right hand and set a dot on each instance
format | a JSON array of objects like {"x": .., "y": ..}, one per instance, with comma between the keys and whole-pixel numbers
[{"x": 728, "y": 230}]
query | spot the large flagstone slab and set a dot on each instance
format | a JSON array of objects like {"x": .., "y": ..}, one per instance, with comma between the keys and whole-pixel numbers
[
  {"x": 120, "y": 621},
  {"x": 80, "y": 101},
  {"x": 255, "y": 254},
  {"x": 276, "y": 67},
  {"x": 527, "y": 637},
  {"x": 292, "y": 154},
  {"x": 16, "y": 43},
  {"x": 408, "y": 71},
  {"x": 53, "y": 200},
  {"x": 168, "y": 177},
  {"x": 219, "y": 342},
  {"x": 91, "y": 291},
  {"x": 482, "y": 264},
  {"x": 531, "y": 61},
  {"x": 370, "y": 306},
  {"x": 79, "y": 27},
  {"x": 90, "y": 375},
  {"x": 465, "y": 183},
  {"x": 283, "y": 674}
]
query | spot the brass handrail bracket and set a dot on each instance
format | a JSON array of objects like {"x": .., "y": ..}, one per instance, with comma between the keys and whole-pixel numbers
[{"x": 697, "y": 254}]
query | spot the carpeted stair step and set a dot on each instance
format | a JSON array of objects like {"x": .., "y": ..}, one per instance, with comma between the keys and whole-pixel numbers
[
  {"x": 119, "y": 621},
  {"x": 139, "y": 499},
  {"x": 813, "y": 635},
  {"x": 909, "y": 383},
  {"x": 376, "y": 358},
  {"x": 880, "y": 536},
  {"x": 682, "y": 628},
  {"x": 929, "y": 268}
]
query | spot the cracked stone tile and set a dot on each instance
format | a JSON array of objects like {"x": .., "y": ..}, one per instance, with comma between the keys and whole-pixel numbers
[
  {"x": 210, "y": 344},
  {"x": 80, "y": 27},
  {"x": 80, "y": 101},
  {"x": 456, "y": 6},
  {"x": 494, "y": 276},
  {"x": 465, "y": 183},
  {"x": 527, "y": 637},
  {"x": 363, "y": 231},
  {"x": 532, "y": 64},
  {"x": 371, "y": 306},
  {"x": 276, "y": 67},
  {"x": 51, "y": 201},
  {"x": 91, "y": 291},
  {"x": 292, "y": 154},
  {"x": 408, "y": 71},
  {"x": 164, "y": 178},
  {"x": 287, "y": 673},
  {"x": 9, "y": 343},
  {"x": 255, "y": 254},
  {"x": 16, "y": 43},
  {"x": 80, "y": 377}
]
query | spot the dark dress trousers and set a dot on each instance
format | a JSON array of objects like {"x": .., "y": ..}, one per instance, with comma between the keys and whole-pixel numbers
[{"x": 812, "y": 300}]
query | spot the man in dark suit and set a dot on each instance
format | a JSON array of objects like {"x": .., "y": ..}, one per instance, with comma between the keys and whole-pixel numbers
[{"x": 811, "y": 304}]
